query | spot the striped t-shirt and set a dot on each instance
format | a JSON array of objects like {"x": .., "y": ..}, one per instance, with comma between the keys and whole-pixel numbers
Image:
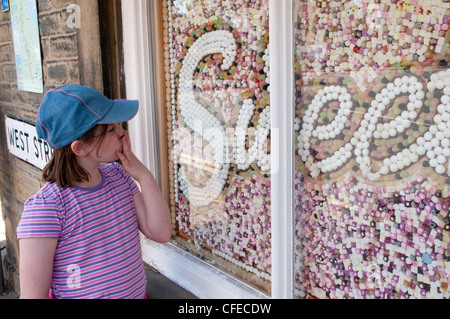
[{"x": 98, "y": 253}]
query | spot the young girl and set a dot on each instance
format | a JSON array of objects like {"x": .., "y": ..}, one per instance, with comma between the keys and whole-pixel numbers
[{"x": 78, "y": 236}]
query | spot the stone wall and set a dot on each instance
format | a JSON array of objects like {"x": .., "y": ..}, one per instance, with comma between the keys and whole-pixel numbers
[{"x": 70, "y": 54}]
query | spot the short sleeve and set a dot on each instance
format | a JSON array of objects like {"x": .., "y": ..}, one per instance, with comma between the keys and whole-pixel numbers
[
  {"x": 42, "y": 217},
  {"x": 130, "y": 182}
]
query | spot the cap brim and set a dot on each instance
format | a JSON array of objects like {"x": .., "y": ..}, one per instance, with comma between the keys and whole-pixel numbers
[{"x": 121, "y": 111}]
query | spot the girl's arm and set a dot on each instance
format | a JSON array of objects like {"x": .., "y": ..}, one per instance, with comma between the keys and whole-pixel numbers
[
  {"x": 151, "y": 208},
  {"x": 36, "y": 266}
]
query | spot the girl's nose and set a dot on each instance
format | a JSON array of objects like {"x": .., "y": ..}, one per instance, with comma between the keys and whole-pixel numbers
[{"x": 119, "y": 130}]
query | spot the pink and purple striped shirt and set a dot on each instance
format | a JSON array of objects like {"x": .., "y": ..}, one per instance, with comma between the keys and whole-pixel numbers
[{"x": 98, "y": 253}]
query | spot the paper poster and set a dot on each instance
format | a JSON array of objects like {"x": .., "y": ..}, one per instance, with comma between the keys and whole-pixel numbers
[{"x": 27, "y": 46}]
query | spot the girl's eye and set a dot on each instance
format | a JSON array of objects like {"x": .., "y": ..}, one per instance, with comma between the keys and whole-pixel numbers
[{"x": 111, "y": 129}]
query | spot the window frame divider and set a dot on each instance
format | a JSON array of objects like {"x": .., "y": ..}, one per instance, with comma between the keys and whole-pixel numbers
[{"x": 282, "y": 146}]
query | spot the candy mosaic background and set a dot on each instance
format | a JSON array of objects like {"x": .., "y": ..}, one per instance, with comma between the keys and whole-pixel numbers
[
  {"x": 217, "y": 73},
  {"x": 372, "y": 149}
]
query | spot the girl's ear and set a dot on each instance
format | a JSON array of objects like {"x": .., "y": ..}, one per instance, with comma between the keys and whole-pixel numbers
[{"x": 79, "y": 148}]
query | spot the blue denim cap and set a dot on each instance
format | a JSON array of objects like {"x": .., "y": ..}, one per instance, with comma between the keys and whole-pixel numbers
[{"x": 70, "y": 111}]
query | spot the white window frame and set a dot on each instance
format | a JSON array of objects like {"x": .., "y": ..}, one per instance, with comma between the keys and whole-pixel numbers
[
  {"x": 197, "y": 276},
  {"x": 282, "y": 121}
]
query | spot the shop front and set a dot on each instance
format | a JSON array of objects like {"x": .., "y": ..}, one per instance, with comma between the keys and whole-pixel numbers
[{"x": 313, "y": 165}]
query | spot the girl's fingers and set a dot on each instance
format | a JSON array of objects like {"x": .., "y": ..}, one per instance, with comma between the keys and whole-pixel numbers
[
  {"x": 126, "y": 142},
  {"x": 126, "y": 154}
]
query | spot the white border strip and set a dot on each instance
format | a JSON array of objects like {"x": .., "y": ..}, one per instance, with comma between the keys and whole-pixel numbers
[{"x": 282, "y": 118}]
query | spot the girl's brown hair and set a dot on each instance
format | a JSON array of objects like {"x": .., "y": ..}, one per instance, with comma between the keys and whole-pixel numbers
[{"x": 63, "y": 167}]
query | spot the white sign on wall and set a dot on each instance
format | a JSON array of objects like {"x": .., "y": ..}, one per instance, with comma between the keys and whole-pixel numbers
[{"x": 23, "y": 143}]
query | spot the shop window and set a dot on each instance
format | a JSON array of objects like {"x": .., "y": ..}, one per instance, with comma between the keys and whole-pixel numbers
[
  {"x": 372, "y": 132},
  {"x": 217, "y": 77}
]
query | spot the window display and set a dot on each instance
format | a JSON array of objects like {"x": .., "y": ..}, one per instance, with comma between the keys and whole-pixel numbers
[
  {"x": 372, "y": 149},
  {"x": 217, "y": 80}
]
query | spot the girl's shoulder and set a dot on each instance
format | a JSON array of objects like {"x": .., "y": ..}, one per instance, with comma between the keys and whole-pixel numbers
[
  {"x": 113, "y": 173},
  {"x": 50, "y": 192},
  {"x": 112, "y": 169},
  {"x": 109, "y": 169}
]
